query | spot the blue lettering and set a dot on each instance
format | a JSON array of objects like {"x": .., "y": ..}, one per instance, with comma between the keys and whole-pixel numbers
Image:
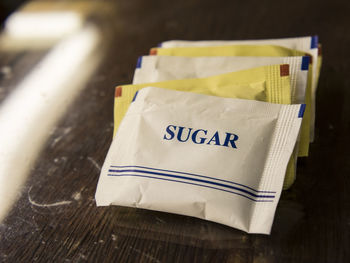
[
  {"x": 202, "y": 139},
  {"x": 229, "y": 140},
  {"x": 170, "y": 132},
  {"x": 215, "y": 138},
  {"x": 179, "y": 134}
]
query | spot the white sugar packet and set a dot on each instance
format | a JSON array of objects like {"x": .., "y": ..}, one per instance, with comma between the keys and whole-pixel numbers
[
  {"x": 161, "y": 68},
  {"x": 307, "y": 44},
  {"x": 218, "y": 159}
]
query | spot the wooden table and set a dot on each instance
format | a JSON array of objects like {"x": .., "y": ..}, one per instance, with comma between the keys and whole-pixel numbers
[{"x": 56, "y": 218}]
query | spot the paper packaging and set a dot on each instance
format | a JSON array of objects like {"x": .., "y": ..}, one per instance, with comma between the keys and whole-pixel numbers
[
  {"x": 161, "y": 68},
  {"x": 255, "y": 51},
  {"x": 308, "y": 44},
  {"x": 268, "y": 83},
  {"x": 229, "y": 50},
  {"x": 218, "y": 159}
]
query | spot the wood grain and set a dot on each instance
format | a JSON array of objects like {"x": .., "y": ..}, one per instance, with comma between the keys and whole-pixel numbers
[{"x": 56, "y": 219}]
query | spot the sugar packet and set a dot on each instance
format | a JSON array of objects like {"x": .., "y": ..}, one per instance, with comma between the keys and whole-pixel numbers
[
  {"x": 161, "y": 68},
  {"x": 308, "y": 44},
  {"x": 268, "y": 83},
  {"x": 219, "y": 159},
  {"x": 252, "y": 51}
]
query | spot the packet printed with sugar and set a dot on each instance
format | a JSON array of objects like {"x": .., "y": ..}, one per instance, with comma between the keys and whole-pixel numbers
[
  {"x": 252, "y": 51},
  {"x": 267, "y": 83},
  {"x": 308, "y": 44},
  {"x": 219, "y": 159},
  {"x": 161, "y": 68}
]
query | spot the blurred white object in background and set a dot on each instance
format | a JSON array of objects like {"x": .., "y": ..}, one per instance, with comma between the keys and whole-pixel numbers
[
  {"x": 37, "y": 103},
  {"x": 54, "y": 24}
]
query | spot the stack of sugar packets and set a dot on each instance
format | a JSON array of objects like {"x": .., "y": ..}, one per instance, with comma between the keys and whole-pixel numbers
[{"x": 213, "y": 129}]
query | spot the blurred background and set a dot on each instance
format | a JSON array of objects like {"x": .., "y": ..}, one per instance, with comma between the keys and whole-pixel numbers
[
  {"x": 59, "y": 64},
  {"x": 7, "y": 7},
  {"x": 48, "y": 52}
]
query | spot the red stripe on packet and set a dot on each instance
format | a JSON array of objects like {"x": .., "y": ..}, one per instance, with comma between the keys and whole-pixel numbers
[
  {"x": 153, "y": 51},
  {"x": 284, "y": 70},
  {"x": 118, "y": 91}
]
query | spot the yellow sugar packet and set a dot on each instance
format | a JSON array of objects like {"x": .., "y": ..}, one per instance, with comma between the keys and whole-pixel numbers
[
  {"x": 164, "y": 68},
  {"x": 308, "y": 44},
  {"x": 228, "y": 50},
  {"x": 267, "y": 83},
  {"x": 255, "y": 51}
]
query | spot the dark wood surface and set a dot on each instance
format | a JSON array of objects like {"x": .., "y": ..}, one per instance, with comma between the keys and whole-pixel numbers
[{"x": 312, "y": 220}]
